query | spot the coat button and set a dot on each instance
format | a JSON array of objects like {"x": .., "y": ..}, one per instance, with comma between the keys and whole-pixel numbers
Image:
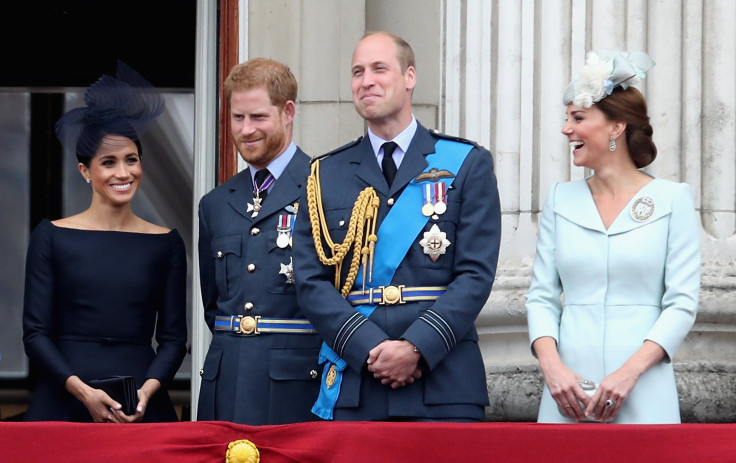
[
  {"x": 341, "y": 223},
  {"x": 254, "y": 231},
  {"x": 248, "y": 306},
  {"x": 390, "y": 201},
  {"x": 201, "y": 372},
  {"x": 219, "y": 254},
  {"x": 251, "y": 268},
  {"x": 313, "y": 374}
]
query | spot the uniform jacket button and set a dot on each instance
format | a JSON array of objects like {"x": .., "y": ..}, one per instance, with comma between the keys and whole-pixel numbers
[
  {"x": 251, "y": 268},
  {"x": 219, "y": 254},
  {"x": 313, "y": 374},
  {"x": 254, "y": 231},
  {"x": 390, "y": 201},
  {"x": 248, "y": 306}
]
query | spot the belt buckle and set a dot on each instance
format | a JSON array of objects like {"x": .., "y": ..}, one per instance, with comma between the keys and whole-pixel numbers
[
  {"x": 249, "y": 325},
  {"x": 391, "y": 295}
]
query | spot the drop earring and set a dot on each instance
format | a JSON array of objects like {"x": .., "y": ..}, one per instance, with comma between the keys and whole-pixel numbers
[
  {"x": 86, "y": 180},
  {"x": 612, "y": 144}
]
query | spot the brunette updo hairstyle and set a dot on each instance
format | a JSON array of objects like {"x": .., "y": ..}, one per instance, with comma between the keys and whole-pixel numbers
[{"x": 630, "y": 106}]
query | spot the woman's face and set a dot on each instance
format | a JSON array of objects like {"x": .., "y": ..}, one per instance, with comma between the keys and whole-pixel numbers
[
  {"x": 589, "y": 133},
  {"x": 115, "y": 171}
]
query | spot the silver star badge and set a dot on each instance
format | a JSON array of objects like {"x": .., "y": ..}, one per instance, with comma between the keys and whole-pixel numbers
[
  {"x": 434, "y": 243},
  {"x": 288, "y": 270}
]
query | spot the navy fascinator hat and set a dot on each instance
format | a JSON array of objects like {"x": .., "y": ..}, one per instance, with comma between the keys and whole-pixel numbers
[{"x": 126, "y": 105}]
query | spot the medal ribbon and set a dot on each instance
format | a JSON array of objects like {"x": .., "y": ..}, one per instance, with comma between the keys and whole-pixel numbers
[
  {"x": 286, "y": 222},
  {"x": 395, "y": 236},
  {"x": 440, "y": 189},
  {"x": 263, "y": 186},
  {"x": 427, "y": 195}
]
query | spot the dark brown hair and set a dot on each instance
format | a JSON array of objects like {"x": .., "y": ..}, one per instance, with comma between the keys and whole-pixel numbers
[{"x": 630, "y": 106}]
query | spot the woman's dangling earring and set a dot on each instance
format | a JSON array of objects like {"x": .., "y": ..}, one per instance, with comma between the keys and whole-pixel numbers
[
  {"x": 86, "y": 180},
  {"x": 612, "y": 144}
]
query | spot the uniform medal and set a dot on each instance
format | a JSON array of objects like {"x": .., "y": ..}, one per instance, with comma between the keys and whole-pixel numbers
[
  {"x": 284, "y": 228},
  {"x": 288, "y": 271},
  {"x": 257, "y": 200},
  {"x": 440, "y": 205},
  {"x": 428, "y": 207},
  {"x": 434, "y": 243},
  {"x": 255, "y": 207}
]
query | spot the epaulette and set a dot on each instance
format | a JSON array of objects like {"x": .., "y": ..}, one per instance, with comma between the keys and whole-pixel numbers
[
  {"x": 438, "y": 134},
  {"x": 337, "y": 150}
]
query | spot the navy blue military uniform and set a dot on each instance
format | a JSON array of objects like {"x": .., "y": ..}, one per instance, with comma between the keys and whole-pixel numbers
[
  {"x": 251, "y": 378},
  {"x": 453, "y": 384}
]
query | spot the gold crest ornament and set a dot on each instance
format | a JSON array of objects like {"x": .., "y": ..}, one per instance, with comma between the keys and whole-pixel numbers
[
  {"x": 434, "y": 243},
  {"x": 642, "y": 209},
  {"x": 331, "y": 376},
  {"x": 242, "y": 451}
]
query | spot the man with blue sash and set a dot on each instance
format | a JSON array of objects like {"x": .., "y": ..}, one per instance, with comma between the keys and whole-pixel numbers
[
  {"x": 261, "y": 367},
  {"x": 398, "y": 256}
]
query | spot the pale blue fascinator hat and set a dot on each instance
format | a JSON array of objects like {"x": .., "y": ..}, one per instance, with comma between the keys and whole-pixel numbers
[
  {"x": 604, "y": 70},
  {"x": 125, "y": 104}
]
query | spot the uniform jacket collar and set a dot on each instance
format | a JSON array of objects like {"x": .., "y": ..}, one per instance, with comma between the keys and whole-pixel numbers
[
  {"x": 574, "y": 201},
  {"x": 285, "y": 191},
  {"x": 413, "y": 164}
]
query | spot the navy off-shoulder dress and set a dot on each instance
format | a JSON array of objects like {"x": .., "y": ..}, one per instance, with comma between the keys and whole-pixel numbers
[{"x": 93, "y": 300}]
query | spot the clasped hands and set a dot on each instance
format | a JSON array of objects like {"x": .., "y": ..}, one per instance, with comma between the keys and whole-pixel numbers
[
  {"x": 104, "y": 409},
  {"x": 574, "y": 402},
  {"x": 394, "y": 363}
]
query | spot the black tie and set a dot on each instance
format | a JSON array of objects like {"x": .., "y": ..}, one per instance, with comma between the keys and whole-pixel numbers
[
  {"x": 260, "y": 178},
  {"x": 388, "y": 165}
]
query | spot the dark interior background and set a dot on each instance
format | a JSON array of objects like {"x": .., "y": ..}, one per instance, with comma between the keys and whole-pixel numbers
[{"x": 69, "y": 43}]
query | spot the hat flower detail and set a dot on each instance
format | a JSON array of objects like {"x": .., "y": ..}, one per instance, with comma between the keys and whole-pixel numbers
[
  {"x": 593, "y": 83},
  {"x": 603, "y": 71}
]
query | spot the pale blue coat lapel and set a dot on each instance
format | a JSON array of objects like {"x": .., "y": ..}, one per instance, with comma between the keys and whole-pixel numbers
[{"x": 568, "y": 205}]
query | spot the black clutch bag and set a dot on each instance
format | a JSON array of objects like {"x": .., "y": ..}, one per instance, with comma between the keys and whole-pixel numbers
[{"x": 121, "y": 389}]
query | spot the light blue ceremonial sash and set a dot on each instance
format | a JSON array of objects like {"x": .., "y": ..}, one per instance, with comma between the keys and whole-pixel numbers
[{"x": 395, "y": 236}]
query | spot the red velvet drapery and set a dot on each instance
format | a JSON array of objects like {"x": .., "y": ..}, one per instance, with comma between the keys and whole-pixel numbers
[{"x": 359, "y": 442}]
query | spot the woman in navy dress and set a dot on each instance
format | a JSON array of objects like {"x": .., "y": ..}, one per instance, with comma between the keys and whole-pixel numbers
[{"x": 101, "y": 284}]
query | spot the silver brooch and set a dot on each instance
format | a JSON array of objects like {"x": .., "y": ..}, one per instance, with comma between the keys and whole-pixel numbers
[
  {"x": 434, "y": 243},
  {"x": 642, "y": 209}
]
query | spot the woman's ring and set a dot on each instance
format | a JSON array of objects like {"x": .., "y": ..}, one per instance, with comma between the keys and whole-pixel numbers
[{"x": 609, "y": 403}]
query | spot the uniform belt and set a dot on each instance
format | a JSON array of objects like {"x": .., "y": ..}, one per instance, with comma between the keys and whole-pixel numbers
[
  {"x": 247, "y": 325},
  {"x": 400, "y": 294}
]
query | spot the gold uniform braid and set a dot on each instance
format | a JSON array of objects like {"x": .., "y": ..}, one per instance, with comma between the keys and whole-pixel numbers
[{"x": 362, "y": 220}]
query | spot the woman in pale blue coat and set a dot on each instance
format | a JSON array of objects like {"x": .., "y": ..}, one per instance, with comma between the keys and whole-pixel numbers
[{"x": 617, "y": 273}]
